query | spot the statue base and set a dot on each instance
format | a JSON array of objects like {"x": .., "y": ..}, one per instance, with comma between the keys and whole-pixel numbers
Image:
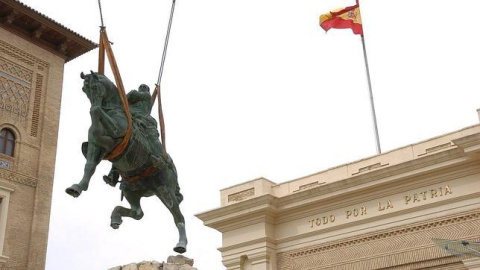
[{"x": 177, "y": 262}]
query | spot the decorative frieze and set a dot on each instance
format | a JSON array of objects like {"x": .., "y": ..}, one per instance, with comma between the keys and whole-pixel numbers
[
  {"x": 17, "y": 178},
  {"x": 20, "y": 55},
  {"x": 242, "y": 195},
  {"x": 390, "y": 248},
  {"x": 16, "y": 84},
  {"x": 15, "y": 70}
]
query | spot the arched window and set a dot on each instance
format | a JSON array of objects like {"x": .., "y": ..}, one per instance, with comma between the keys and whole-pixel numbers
[{"x": 7, "y": 142}]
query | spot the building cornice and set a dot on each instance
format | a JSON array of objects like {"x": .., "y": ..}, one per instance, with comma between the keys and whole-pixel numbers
[
  {"x": 42, "y": 31},
  {"x": 377, "y": 179},
  {"x": 238, "y": 215},
  {"x": 459, "y": 157}
]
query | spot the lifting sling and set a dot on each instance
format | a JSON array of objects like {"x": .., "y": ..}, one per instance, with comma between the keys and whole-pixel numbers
[{"x": 104, "y": 47}]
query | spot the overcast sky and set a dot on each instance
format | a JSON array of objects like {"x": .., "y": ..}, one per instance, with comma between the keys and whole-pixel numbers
[{"x": 255, "y": 88}]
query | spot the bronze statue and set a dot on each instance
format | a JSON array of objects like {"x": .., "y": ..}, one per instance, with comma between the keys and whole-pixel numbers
[{"x": 144, "y": 168}]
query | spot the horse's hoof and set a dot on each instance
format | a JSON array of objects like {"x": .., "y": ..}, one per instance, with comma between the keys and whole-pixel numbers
[
  {"x": 74, "y": 190},
  {"x": 115, "y": 224},
  {"x": 180, "y": 248}
]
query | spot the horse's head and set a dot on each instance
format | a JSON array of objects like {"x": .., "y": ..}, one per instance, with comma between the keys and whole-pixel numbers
[{"x": 98, "y": 87}]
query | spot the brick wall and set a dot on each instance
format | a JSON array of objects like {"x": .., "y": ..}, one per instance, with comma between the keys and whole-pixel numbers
[{"x": 30, "y": 95}]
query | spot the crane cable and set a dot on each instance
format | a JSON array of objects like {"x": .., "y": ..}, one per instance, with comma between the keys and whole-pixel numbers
[
  {"x": 101, "y": 14},
  {"x": 167, "y": 37},
  {"x": 104, "y": 46},
  {"x": 157, "y": 91}
]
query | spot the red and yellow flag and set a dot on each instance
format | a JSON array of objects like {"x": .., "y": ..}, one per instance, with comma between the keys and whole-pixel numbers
[{"x": 342, "y": 18}]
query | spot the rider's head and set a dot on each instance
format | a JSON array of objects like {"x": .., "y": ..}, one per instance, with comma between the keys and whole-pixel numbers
[{"x": 144, "y": 88}]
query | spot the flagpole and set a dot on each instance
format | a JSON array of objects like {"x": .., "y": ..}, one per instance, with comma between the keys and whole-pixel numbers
[{"x": 377, "y": 138}]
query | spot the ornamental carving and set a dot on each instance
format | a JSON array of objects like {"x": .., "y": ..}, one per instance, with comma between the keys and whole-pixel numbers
[
  {"x": 18, "y": 83},
  {"x": 36, "y": 105},
  {"x": 242, "y": 195},
  {"x": 390, "y": 248},
  {"x": 18, "y": 178},
  {"x": 9, "y": 68},
  {"x": 14, "y": 100},
  {"x": 20, "y": 55}
]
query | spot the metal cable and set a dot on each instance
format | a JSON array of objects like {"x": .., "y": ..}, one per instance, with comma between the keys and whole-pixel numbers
[
  {"x": 166, "y": 43},
  {"x": 101, "y": 14}
]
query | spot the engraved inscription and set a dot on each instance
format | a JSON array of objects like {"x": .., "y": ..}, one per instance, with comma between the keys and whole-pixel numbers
[
  {"x": 387, "y": 206},
  {"x": 356, "y": 212},
  {"x": 425, "y": 195},
  {"x": 384, "y": 249},
  {"x": 322, "y": 221},
  {"x": 382, "y": 206}
]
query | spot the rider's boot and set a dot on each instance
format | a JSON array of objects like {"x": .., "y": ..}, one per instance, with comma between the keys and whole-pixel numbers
[{"x": 112, "y": 177}]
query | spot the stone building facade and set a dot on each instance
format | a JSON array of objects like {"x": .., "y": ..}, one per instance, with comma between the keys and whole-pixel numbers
[
  {"x": 33, "y": 51},
  {"x": 381, "y": 212}
]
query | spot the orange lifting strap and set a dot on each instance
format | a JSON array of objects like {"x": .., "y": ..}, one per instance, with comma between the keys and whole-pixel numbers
[
  {"x": 104, "y": 46},
  {"x": 156, "y": 93}
]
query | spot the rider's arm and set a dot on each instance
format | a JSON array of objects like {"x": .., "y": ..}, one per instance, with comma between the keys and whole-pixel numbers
[{"x": 134, "y": 96}]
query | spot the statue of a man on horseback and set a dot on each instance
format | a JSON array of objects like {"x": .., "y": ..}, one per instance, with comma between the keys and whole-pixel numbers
[{"x": 134, "y": 149}]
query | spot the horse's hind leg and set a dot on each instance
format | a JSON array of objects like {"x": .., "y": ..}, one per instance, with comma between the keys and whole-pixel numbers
[
  {"x": 170, "y": 201},
  {"x": 135, "y": 212}
]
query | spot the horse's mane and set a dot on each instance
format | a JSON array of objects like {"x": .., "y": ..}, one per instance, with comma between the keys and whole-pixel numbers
[
  {"x": 111, "y": 93},
  {"x": 105, "y": 81}
]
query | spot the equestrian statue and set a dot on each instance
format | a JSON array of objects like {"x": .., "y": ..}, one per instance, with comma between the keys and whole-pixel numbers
[{"x": 145, "y": 169}]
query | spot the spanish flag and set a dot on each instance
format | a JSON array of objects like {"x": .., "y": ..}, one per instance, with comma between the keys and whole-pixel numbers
[{"x": 342, "y": 18}]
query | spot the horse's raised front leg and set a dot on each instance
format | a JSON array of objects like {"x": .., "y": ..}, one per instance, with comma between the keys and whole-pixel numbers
[
  {"x": 94, "y": 156},
  {"x": 135, "y": 212},
  {"x": 169, "y": 199}
]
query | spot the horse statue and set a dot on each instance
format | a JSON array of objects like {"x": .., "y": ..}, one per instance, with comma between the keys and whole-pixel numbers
[{"x": 144, "y": 168}]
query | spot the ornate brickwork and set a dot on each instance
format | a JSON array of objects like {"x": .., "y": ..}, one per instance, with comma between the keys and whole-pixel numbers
[
  {"x": 14, "y": 99},
  {"x": 16, "y": 84},
  {"x": 18, "y": 178},
  {"x": 242, "y": 195},
  {"x": 15, "y": 70},
  {"x": 393, "y": 248},
  {"x": 36, "y": 105},
  {"x": 21, "y": 55}
]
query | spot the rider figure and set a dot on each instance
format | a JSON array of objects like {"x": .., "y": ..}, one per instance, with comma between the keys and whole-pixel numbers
[{"x": 141, "y": 103}]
